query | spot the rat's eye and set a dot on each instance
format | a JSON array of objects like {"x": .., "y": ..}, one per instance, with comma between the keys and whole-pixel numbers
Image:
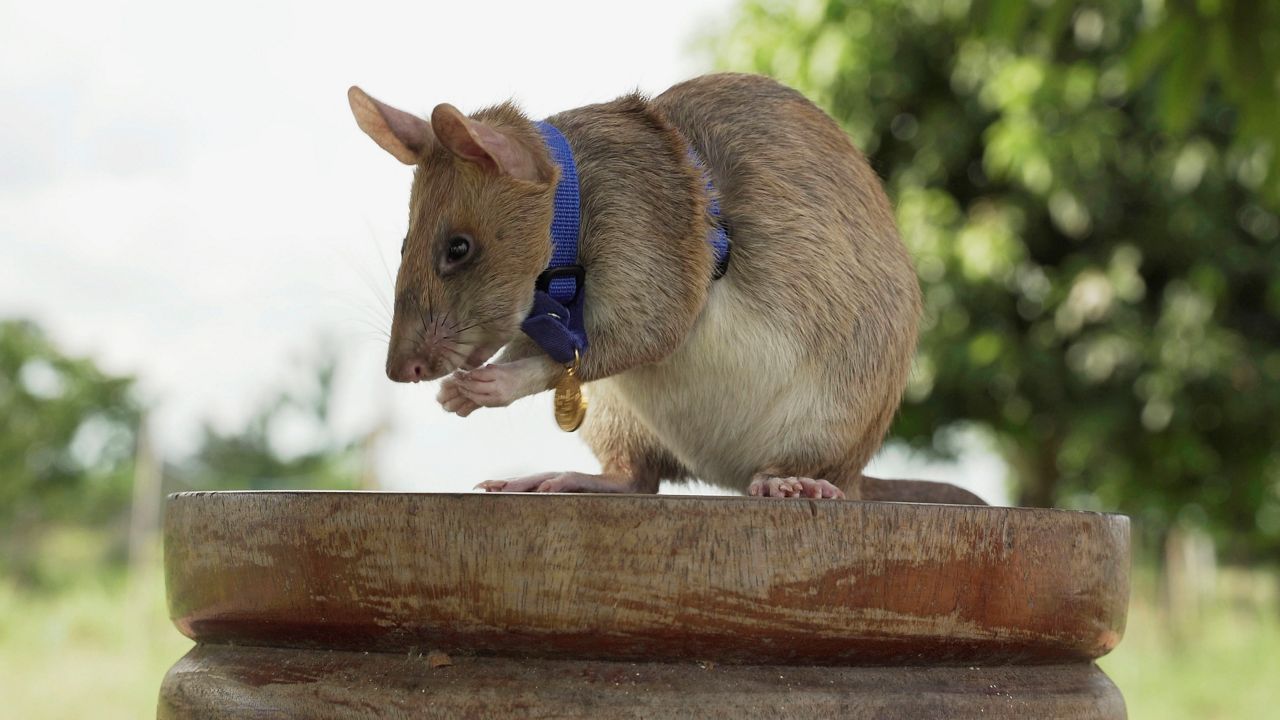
[{"x": 459, "y": 248}]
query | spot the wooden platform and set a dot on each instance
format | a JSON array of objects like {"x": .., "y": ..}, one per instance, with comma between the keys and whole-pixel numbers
[{"x": 638, "y": 606}]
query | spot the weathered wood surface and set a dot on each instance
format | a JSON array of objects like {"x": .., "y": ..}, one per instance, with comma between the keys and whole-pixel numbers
[
  {"x": 738, "y": 580},
  {"x": 216, "y": 682}
]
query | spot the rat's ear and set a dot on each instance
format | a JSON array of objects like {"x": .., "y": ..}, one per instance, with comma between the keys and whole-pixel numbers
[
  {"x": 403, "y": 135},
  {"x": 476, "y": 142}
]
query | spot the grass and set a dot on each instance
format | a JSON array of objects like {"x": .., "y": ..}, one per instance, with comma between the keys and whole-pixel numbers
[
  {"x": 1221, "y": 662},
  {"x": 99, "y": 649}
]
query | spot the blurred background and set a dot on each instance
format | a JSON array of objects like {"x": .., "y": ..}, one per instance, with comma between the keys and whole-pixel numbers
[{"x": 197, "y": 245}]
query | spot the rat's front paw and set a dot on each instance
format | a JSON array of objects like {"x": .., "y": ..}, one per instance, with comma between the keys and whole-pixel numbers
[
  {"x": 502, "y": 384},
  {"x": 452, "y": 399},
  {"x": 490, "y": 386}
]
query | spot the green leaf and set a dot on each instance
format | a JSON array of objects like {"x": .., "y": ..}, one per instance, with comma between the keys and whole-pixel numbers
[
  {"x": 1151, "y": 50},
  {"x": 1182, "y": 89},
  {"x": 1006, "y": 19}
]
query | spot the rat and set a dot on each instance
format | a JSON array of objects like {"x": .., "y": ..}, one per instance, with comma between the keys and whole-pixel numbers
[{"x": 779, "y": 377}]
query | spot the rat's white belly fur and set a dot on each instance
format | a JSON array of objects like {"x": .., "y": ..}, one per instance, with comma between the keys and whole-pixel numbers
[{"x": 736, "y": 397}]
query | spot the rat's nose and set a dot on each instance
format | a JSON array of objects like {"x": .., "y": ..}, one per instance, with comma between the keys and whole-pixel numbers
[{"x": 409, "y": 370}]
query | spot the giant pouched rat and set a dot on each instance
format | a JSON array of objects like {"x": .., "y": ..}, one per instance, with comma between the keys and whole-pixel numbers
[{"x": 780, "y": 378}]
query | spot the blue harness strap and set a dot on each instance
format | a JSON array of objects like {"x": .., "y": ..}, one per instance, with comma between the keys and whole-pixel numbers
[
  {"x": 719, "y": 235},
  {"x": 556, "y": 321}
]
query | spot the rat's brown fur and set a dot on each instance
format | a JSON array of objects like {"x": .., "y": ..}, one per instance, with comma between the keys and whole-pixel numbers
[{"x": 793, "y": 364}]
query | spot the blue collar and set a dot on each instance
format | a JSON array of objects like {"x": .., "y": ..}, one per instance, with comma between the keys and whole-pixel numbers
[{"x": 555, "y": 322}]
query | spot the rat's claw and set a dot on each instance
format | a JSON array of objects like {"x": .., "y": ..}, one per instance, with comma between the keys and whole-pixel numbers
[{"x": 769, "y": 486}]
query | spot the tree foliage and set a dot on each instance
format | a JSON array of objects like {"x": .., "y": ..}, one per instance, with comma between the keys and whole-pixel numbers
[
  {"x": 67, "y": 433},
  {"x": 1090, "y": 193},
  {"x": 67, "y": 437},
  {"x": 68, "y": 442},
  {"x": 288, "y": 443}
]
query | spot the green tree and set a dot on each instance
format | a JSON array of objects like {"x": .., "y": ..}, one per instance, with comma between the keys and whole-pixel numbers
[
  {"x": 1090, "y": 192},
  {"x": 253, "y": 458},
  {"x": 67, "y": 435},
  {"x": 68, "y": 438}
]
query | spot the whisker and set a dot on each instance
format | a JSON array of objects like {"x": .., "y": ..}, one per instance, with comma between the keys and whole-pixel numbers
[
  {"x": 372, "y": 287},
  {"x": 372, "y": 236},
  {"x": 459, "y": 331},
  {"x": 368, "y": 323},
  {"x": 371, "y": 315},
  {"x": 424, "y": 330}
]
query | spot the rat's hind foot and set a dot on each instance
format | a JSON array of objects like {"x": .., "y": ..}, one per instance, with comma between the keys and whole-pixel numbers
[
  {"x": 561, "y": 482},
  {"x": 773, "y": 486}
]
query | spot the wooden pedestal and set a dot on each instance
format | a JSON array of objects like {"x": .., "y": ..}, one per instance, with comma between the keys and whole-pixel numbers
[{"x": 391, "y": 605}]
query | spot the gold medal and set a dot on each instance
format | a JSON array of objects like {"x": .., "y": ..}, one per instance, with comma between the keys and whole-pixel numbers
[{"x": 570, "y": 403}]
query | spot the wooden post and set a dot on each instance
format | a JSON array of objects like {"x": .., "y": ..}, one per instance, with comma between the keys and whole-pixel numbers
[
  {"x": 396, "y": 605},
  {"x": 144, "y": 510},
  {"x": 144, "y": 523}
]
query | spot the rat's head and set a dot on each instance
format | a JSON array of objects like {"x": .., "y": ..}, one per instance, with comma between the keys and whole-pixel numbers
[{"x": 479, "y": 231}]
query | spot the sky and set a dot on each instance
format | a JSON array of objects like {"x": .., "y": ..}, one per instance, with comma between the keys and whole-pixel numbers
[{"x": 185, "y": 197}]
